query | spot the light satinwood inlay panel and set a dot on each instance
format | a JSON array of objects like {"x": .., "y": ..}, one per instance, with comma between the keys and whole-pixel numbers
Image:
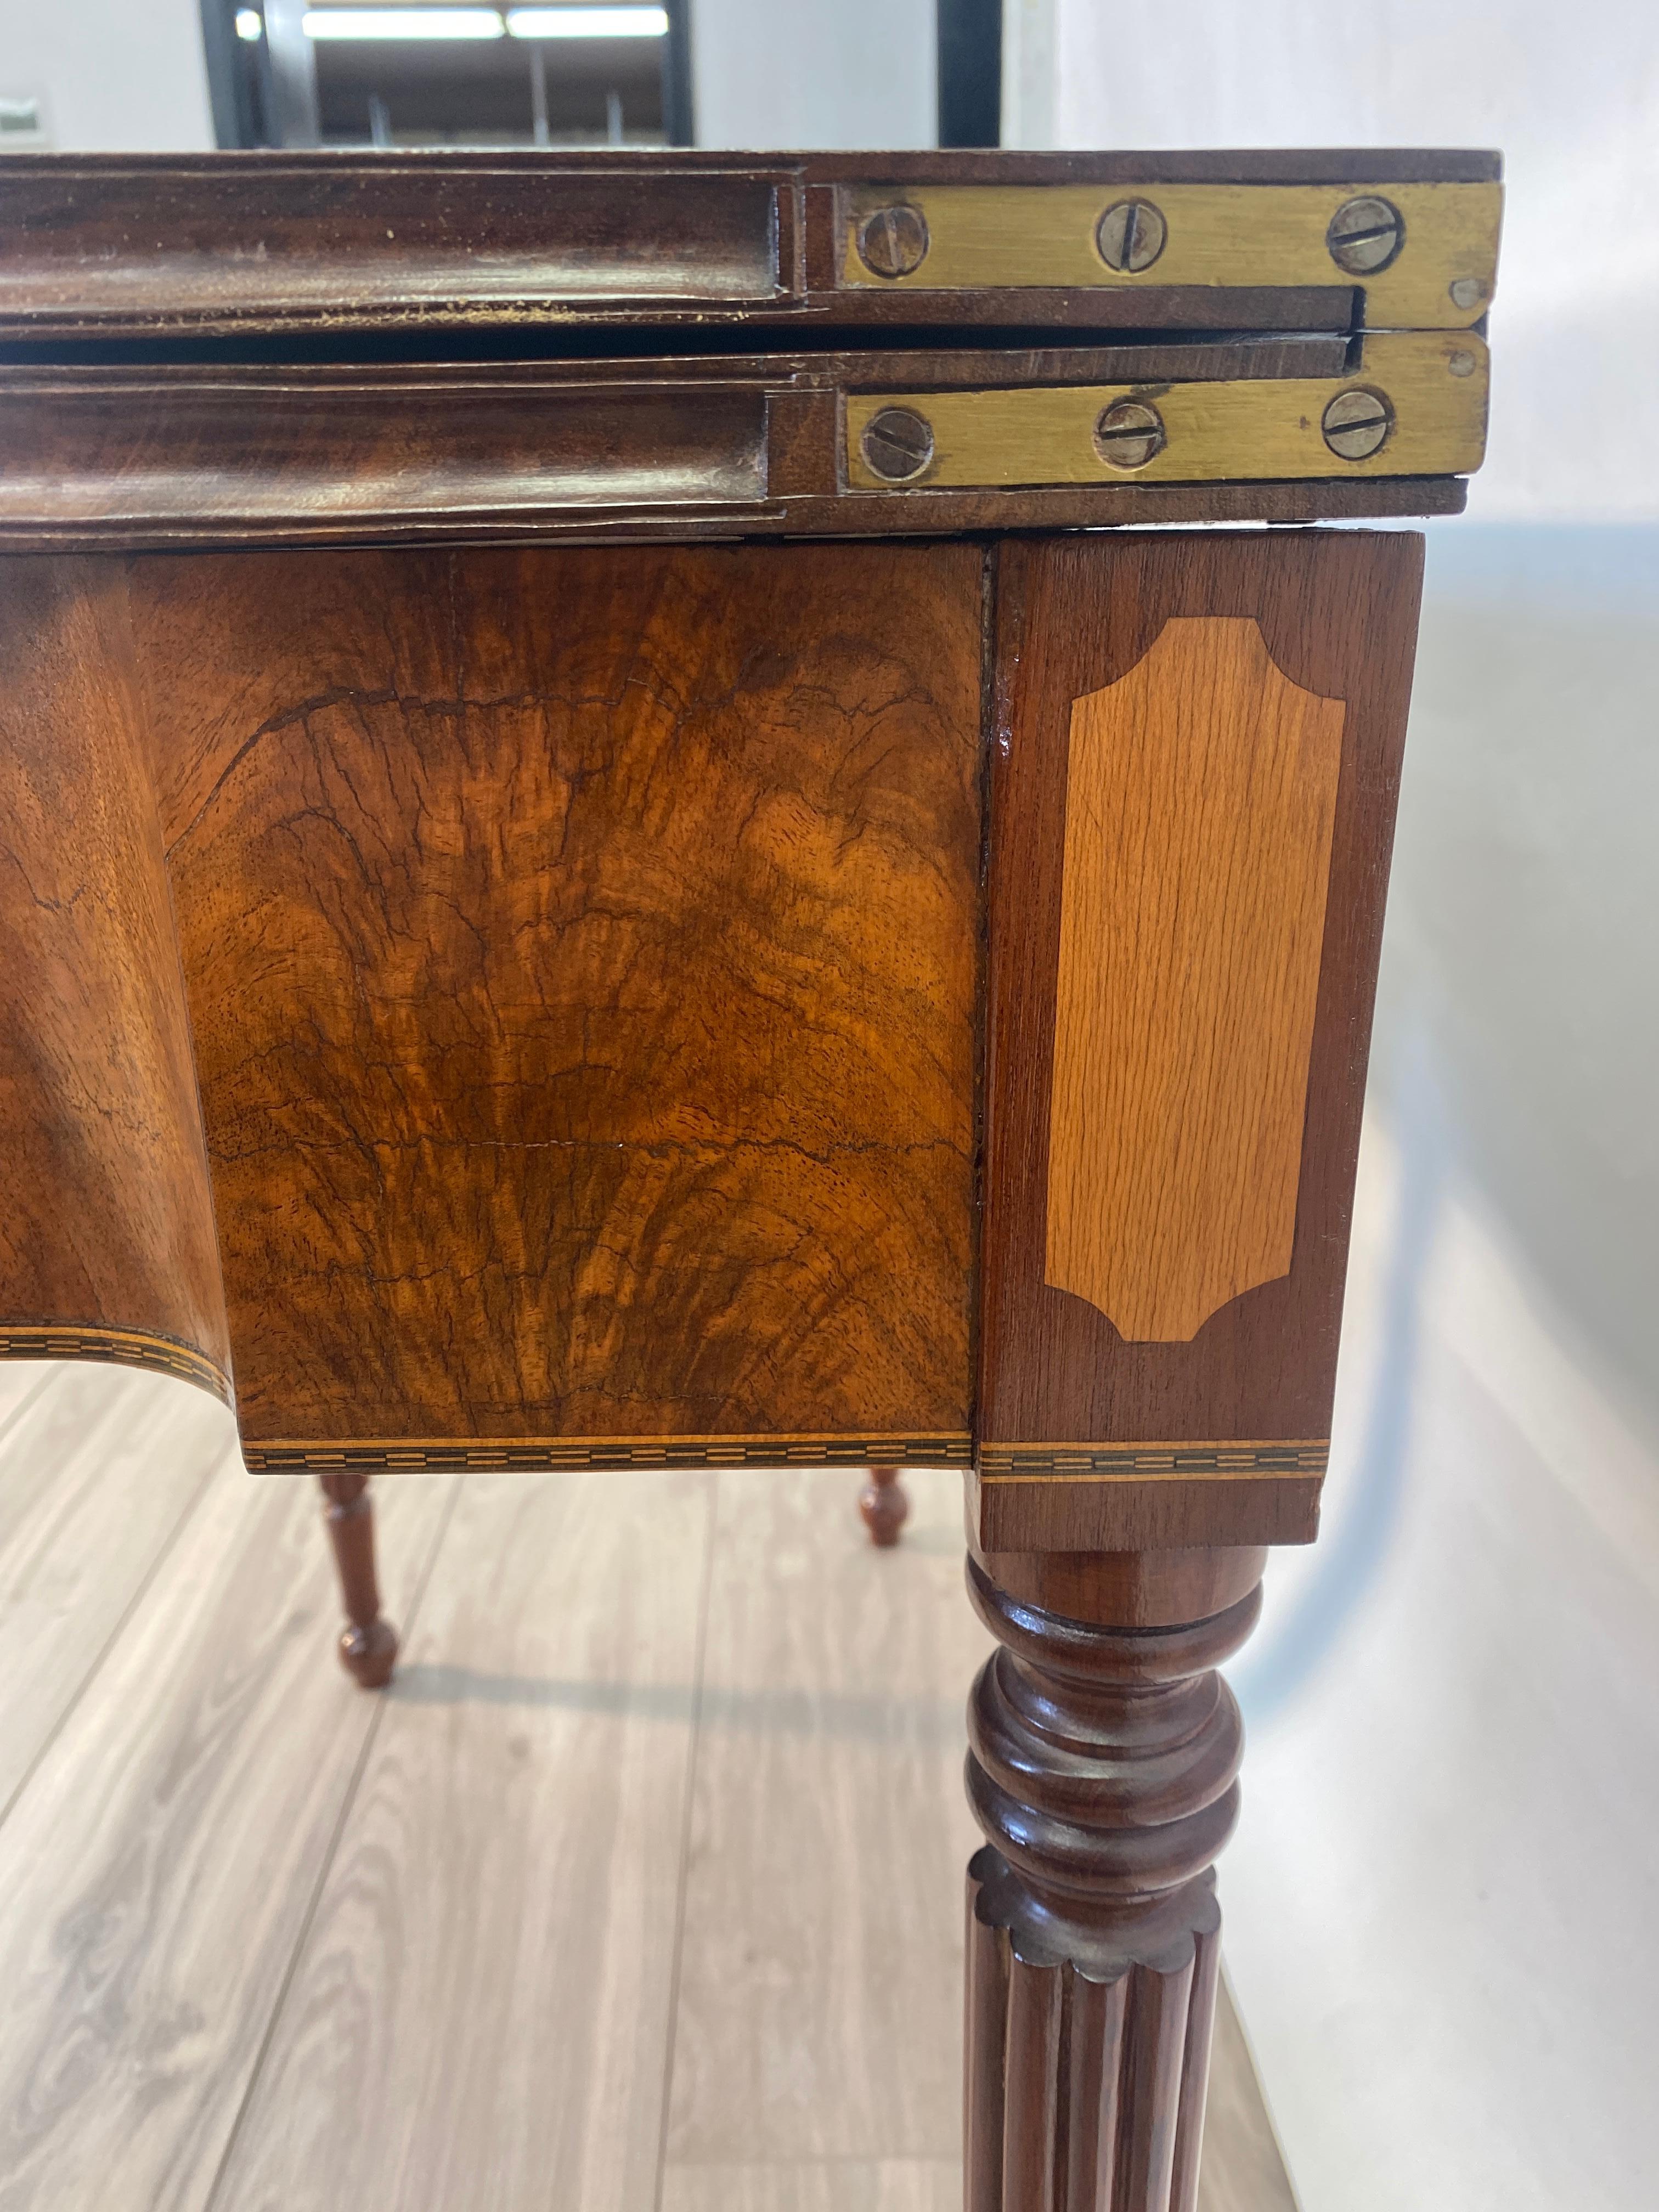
[{"x": 1200, "y": 797}]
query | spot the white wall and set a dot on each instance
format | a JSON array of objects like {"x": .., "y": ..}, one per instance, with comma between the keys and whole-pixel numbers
[
  {"x": 1572, "y": 99},
  {"x": 115, "y": 76},
  {"x": 814, "y": 73}
]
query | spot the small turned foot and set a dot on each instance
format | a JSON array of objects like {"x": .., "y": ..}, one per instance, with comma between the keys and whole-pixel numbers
[
  {"x": 1103, "y": 1770},
  {"x": 368, "y": 1644},
  {"x": 884, "y": 1504},
  {"x": 369, "y": 1655}
]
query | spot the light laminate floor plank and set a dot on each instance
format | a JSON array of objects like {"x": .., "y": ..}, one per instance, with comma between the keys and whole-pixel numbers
[
  {"x": 820, "y": 1993},
  {"x": 159, "y": 1867},
  {"x": 268, "y": 1942},
  {"x": 480, "y": 2015},
  {"x": 1243, "y": 2169},
  {"x": 98, "y": 1467},
  {"x": 838, "y": 2184},
  {"x": 21, "y": 1379}
]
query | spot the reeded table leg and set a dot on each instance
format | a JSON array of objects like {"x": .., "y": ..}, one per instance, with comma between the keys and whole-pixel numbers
[
  {"x": 369, "y": 1645},
  {"x": 884, "y": 1504},
  {"x": 1103, "y": 1770}
]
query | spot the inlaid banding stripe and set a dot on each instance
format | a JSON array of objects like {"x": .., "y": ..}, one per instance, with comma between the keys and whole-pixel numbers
[
  {"x": 1226, "y": 1460},
  {"x": 161, "y": 1355},
  {"x": 464, "y": 1454}
]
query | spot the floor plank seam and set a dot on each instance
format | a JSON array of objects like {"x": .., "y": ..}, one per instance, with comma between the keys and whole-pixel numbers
[
  {"x": 683, "y": 1877},
  {"x": 164, "y": 1551},
  {"x": 788, "y": 2161},
  {"x": 28, "y": 1398},
  {"x": 347, "y": 1799}
]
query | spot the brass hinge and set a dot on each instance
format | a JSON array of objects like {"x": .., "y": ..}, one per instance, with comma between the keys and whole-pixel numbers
[
  {"x": 1415, "y": 406},
  {"x": 1422, "y": 256}
]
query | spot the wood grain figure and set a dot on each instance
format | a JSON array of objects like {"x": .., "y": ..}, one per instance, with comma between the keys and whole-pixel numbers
[
  {"x": 610, "y": 857},
  {"x": 1200, "y": 790},
  {"x": 1103, "y": 1767},
  {"x": 580, "y": 963},
  {"x": 108, "y": 1229},
  {"x": 1200, "y": 1411}
]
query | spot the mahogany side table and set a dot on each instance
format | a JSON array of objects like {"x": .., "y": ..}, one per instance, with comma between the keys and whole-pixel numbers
[{"x": 642, "y": 821}]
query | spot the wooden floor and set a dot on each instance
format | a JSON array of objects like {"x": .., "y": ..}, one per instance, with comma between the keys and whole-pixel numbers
[{"x": 642, "y": 1889}]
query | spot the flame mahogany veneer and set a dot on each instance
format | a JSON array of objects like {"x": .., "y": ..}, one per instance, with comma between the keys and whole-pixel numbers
[{"x": 727, "y": 974}]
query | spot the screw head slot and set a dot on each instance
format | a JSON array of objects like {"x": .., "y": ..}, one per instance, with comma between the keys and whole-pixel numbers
[
  {"x": 1365, "y": 234},
  {"x": 898, "y": 444},
  {"x": 1131, "y": 235},
  {"x": 1129, "y": 434},
  {"x": 894, "y": 240},
  {"x": 1356, "y": 424}
]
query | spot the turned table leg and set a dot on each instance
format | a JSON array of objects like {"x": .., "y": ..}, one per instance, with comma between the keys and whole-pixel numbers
[
  {"x": 368, "y": 1644},
  {"x": 884, "y": 1504},
  {"x": 1103, "y": 1769}
]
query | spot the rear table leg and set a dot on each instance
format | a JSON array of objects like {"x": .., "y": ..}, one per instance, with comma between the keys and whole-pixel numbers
[
  {"x": 884, "y": 1504},
  {"x": 369, "y": 1645}
]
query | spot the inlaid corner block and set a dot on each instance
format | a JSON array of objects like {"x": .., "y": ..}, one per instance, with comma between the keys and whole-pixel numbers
[{"x": 1194, "y": 763}]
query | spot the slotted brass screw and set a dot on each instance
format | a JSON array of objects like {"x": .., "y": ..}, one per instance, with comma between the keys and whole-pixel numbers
[
  {"x": 893, "y": 241},
  {"x": 1356, "y": 424},
  {"x": 898, "y": 444},
  {"x": 1366, "y": 235},
  {"x": 1128, "y": 433},
  {"x": 1130, "y": 235}
]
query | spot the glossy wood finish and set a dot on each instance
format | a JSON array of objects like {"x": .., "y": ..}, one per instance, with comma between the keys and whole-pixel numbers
[
  {"x": 368, "y": 1644},
  {"x": 1133, "y": 1589},
  {"x": 107, "y": 1244},
  {"x": 506, "y": 886},
  {"x": 587, "y": 962},
  {"x": 1200, "y": 789},
  {"x": 1089, "y": 1440},
  {"x": 884, "y": 1506},
  {"x": 94, "y": 456},
  {"x": 119, "y": 244},
  {"x": 1103, "y": 1767},
  {"x": 580, "y": 958}
]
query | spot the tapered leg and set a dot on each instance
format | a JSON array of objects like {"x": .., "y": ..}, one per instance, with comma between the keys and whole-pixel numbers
[
  {"x": 369, "y": 1645},
  {"x": 1103, "y": 1769},
  {"x": 884, "y": 1504}
]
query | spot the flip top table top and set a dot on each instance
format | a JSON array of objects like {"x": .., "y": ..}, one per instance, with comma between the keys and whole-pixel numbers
[{"x": 302, "y": 349}]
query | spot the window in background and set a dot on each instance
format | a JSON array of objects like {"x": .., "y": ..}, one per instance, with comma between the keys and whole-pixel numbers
[{"x": 424, "y": 73}]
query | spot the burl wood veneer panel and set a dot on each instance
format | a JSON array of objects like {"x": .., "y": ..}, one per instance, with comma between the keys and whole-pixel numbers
[
  {"x": 106, "y": 1237},
  {"x": 1194, "y": 767},
  {"x": 580, "y": 956}
]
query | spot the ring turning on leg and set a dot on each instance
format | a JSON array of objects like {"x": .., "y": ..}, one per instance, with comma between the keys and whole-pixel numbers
[{"x": 1103, "y": 1768}]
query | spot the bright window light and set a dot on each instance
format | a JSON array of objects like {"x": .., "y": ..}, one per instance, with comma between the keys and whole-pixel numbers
[
  {"x": 402, "y": 24},
  {"x": 250, "y": 25},
  {"x": 587, "y": 22}
]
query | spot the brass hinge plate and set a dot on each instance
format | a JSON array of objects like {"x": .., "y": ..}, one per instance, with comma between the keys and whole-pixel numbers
[
  {"x": 1432, "y": 386},
  {"x": 977, "y": 237}
]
